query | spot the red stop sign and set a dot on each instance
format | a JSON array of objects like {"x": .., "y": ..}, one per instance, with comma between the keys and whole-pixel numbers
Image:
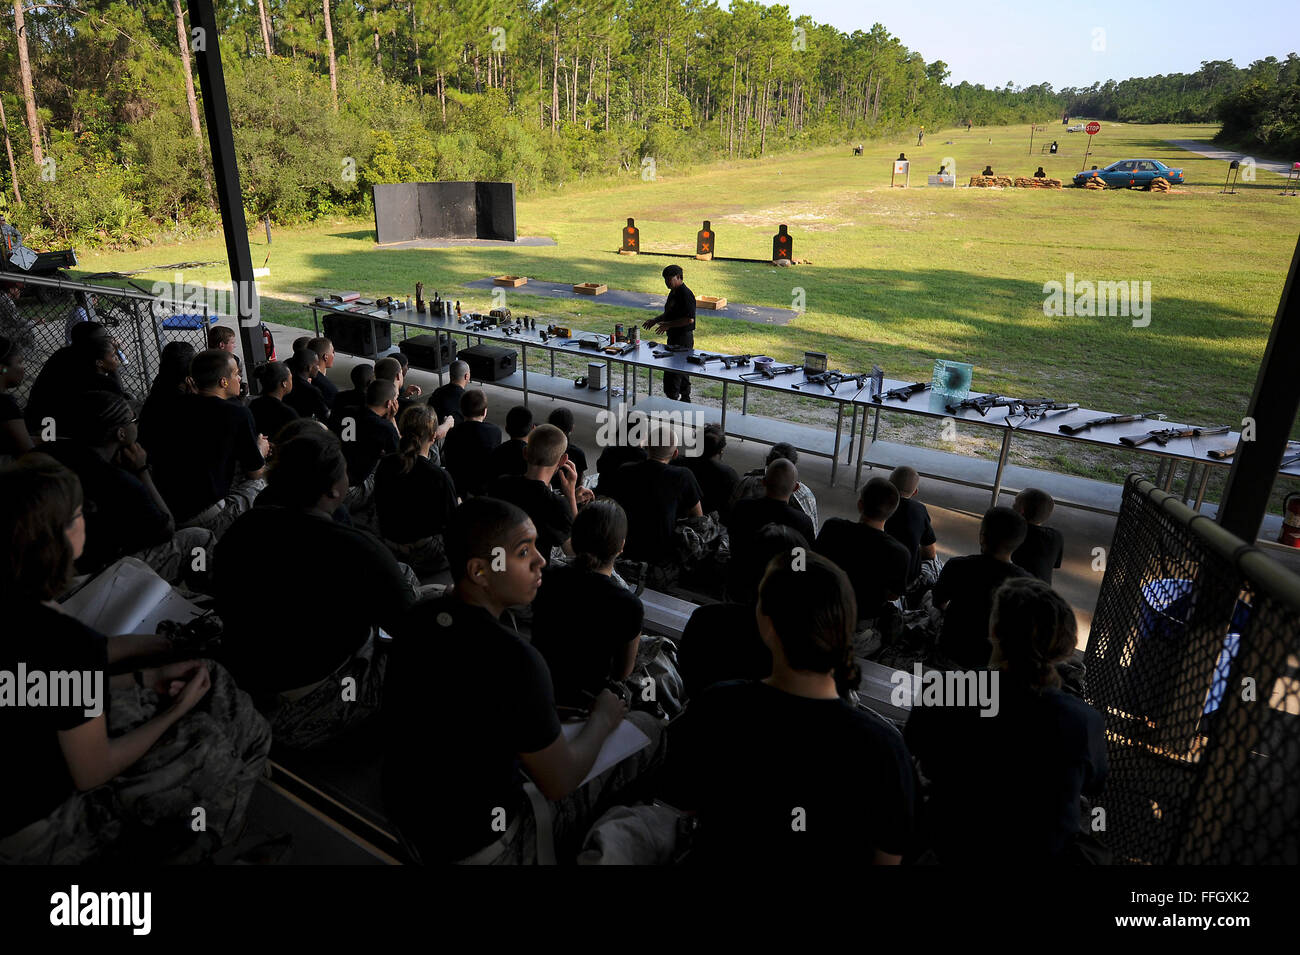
[{"x": 1092, "y": 129}]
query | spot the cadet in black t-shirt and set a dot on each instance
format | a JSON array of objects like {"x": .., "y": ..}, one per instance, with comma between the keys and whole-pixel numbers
[
  {"x": 678, "y": 321},
  {"x": 304, "y": 397},
  {"x": 749, "y": 516},
  {"x": 552, "y": 513},
  {"x": 324, "y": 349},
  {"x": 203, "y": 444},
  {"x": 414, "y": 497},
  {"x": 14, "y": 438},
  {"x": 610, "y": 460},
  {"x": 786, "y": 769},
  {"x": 445, "y": 399},
  {"x": 1007, "y": 785},
  {"x": 910, "y": 524},
  {"x": 874, "y": 561},
  {"x": 562, "y": 418},
  {"x": 1043, "y": 548},
  {"x": 717, "y": 480},
  {"x": 453, "y": 764},
  {"x": 355, "y": 397},
  {"x": 508, "y": 458},
  {"x": 587, "y": 649},
  {"x": 965, "y": 588},
  {"x": 373, "y": 434},
  {"x": 655, "y": 494},
  {"x": 269, "y": 411},
  {"x": 470, "y": 444}
]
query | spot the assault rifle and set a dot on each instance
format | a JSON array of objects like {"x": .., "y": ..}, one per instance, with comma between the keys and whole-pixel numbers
[
  {"x": 1109, "y": 419},
  {"x": 1034, "y": 408},
  {"x": 769, "y": 370},
  {"x": 983, "y": 404},
  {"x": 1165, "y": 435},
  {"x": 703, "y": 358},
  {"x": 903, "y": 393},
  {"x": 1221, "y": 454},
  {"x": 833, "y": 379}
]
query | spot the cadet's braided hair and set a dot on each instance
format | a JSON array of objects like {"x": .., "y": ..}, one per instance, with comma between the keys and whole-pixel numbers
[{"x": 1034, "y": 628}]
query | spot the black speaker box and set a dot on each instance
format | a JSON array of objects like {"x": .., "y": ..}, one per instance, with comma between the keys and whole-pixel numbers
[
  {"x": 489, "y": 363},
  {"x": 430, "y": 351},
  {"x": 353, "y": 335}
]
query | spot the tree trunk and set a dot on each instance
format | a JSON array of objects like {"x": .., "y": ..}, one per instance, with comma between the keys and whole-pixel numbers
[
  {"x": 555, "y": 76},
  {"x": 183, "y": 41},
  {"x": 606, "y": 87},
  {"x": 731, "y": 128},
  {"x": 9, "y": 151},
  {"x": 329, "y": 43},
  {"x": 379, "y": 63},
  {"x": 29, "y": 94},
  {"x": 266, "y": 28}
]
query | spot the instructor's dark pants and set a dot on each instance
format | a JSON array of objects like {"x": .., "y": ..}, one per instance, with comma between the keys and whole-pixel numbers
[{"x": 678, "y": 387}]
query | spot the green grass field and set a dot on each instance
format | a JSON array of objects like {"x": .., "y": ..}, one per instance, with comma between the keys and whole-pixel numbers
[{"x": 898, "y": 277}]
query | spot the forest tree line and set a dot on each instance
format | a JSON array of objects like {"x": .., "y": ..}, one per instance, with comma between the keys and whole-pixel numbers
[{"x": 103, "y": 127}]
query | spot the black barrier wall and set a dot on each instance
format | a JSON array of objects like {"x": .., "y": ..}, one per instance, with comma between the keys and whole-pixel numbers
[
  {"x": 1192, "y": 661},
  {"x": 405, "y": 211}
]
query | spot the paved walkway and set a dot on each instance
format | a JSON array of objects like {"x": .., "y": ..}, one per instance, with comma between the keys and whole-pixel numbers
[{"x": 1227, "y": 155}]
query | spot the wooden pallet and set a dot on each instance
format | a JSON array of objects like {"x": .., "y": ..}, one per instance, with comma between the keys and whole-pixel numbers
[
  {"x": 509, "y": 281},
  {"x": 714, "y": 302},
  {"x": 591, "y": 288}
]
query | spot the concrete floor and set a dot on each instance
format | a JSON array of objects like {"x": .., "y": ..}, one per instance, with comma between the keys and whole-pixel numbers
[{"x": 955, "y": 511}]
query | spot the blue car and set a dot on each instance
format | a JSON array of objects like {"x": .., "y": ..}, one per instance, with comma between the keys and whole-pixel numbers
[{"x": 1129, "y": 173}]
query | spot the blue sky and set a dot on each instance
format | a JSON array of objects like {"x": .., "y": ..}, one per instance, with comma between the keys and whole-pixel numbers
[{"x": 1027, "y": 42}]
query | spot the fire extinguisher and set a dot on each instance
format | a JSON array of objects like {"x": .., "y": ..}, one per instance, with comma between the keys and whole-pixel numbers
[
  {"x": 268, "y": 343},
  {"x": 1290, "y": 520}
]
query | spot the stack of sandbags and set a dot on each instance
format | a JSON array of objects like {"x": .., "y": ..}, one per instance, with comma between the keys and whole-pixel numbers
[
  {"x": 1094, "y": 183},
  {"x": 1037, "y": 182},
  {"x": 989, "y": 182},
  {"x": 1160, "y": 184}
]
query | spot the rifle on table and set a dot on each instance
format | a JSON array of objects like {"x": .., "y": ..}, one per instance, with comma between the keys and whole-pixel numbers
[
  {"x": 1109, "y": 419},
  {"x": 831, "y": 380},
  {"x": 1222, "y": 454},
  {"x": 1165, "y": 435},
  {"x": 703, "y": 358},
  {"x": 983, "y": 404},
  {"x": 768, "y": 370},
  {"x": 1039, "y": 407},
  {"x": 903, "y": 393}
]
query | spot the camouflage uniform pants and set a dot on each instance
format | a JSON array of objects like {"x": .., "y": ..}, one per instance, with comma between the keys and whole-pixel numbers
[
  {"x": 210, "y": 760},
  {"x": 330, "y": 708},
  {"x": 426, "y": 557},
  {"x": 172, "y": 560},
  {"x": 573, "y": 815},
  {"x": 221, "y": 515}
]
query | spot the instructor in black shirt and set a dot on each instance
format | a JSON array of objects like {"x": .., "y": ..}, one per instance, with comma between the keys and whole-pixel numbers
[{"x": 678, "y": 320}]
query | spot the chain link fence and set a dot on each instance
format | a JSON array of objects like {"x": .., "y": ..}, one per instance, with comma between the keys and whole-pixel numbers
[
  {"x": 1194, "y": 662},
  {"x": 43, "y": 315}
]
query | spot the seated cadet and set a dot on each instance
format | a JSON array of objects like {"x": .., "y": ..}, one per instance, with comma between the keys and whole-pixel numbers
[
  {"x": 414, "y": 497},
  {"x": 656, "y": 494},
  {"x": 324, "y": 349},
  {"x": 874, "y": 561},
  {"x": 51, "y": 385},
  {"x": 14, "y": 439},
  {"x": 182, "y": 734},
  {"x": 278, "y": 496},
  {"x": 583, "y": 658},
  {"x": 721, "y": 641},
  {"x": 355, "y": 397},
  {"x": 467, "y": 448},
  {"x": 508, "y": 457},
  {"x": 304, "y": 397},
  {"x": 910, "y": 524},
  {"x": 371, "y": 436},
  {"x": 223, "y": 338},
  {"x": 786, "y": 769},
  {"x": 393, "y": 369},
  {"x": 717, "y": 480},
  {"x": 206, "y": 452},
  {"x": 125, "y": 514},
  {"x": 445, "y": 400},
  {"x": 295, "y": 670},
  {"x": 1043, "y": 547},
  {"x": 270, "y": 413},
  {"x": 474, "y": 779},
  {"x": 562, "y": 418},
  {"x": 1007, "y": 785},
  {"x": 173, "y": 379},
  {"x": 613, "y": 457},
  {"x": 965, "y": 588},
  {"x": 753, "y": 513},
  {"x": 552, "y": 513},
  {"x": 751, "y": 484}
]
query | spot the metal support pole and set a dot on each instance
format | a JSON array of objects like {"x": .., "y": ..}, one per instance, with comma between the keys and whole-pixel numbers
[
  {"x": 1002, "y": 463},
  {"x": 221, "y": 139},
  {"x": 724, "y": 407},
  {"x": 1273, "y": 408},
  {"x": 835, "y": 452},
  {"x": 862, "y": 445}
]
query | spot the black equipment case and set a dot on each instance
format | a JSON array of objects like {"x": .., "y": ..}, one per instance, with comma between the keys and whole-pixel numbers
[
  {"x": 352, "y": 335},
  {"x": 489, "y": 363},
  {"x": 430, "y": 351}
]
